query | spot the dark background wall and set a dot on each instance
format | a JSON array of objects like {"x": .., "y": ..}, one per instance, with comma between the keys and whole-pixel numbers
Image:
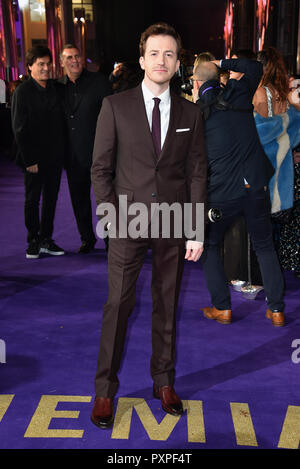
[
  {"x": 200, "y": 23},
  {"x": 120, "y": 23},
  {"x": 282, "y": 31}
]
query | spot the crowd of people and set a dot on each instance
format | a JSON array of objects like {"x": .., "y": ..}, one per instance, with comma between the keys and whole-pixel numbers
[
  {"x": 54, "y": 124},
  {"x": 275, "y": 95},
  {"x": 234, "y": 151}
]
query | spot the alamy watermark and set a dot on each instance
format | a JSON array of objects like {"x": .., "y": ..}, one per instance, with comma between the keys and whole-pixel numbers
[
  {"x": 296, "y": 353},
  {"x": 158, "y": 220},
  {"x": 2, "y": 351}
]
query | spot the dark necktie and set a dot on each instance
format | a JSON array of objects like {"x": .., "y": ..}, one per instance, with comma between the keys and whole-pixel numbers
[{"x": 156, "y": 127}]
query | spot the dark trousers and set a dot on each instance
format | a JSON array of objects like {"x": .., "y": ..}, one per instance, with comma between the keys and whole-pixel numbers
[
  {"x": 255, "y": 206},
  {"x": 125, "y": 260},
  {"x": 46, "y": 183},
  {"x": 79, "y": 180}
]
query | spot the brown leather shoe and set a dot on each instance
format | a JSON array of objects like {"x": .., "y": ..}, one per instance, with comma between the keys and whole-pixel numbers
[
  {"x": 102, "y": 413},
  {"x": 221, "y": 316},
  {"x": 170, "y": 402},
  {"x": 277, "y": 317}
]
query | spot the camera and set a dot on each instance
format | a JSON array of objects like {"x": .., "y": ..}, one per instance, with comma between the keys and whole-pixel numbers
[{"x": 184, "y": 73}]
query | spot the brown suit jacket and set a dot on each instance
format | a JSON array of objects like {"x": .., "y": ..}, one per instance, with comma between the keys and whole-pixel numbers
[{"x": 124, "y": 159}]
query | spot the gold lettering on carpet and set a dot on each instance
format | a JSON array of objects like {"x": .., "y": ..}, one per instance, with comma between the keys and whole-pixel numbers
[
  {"x": 245, "y": 435},
  {"x": 46, "y": 411},
  {"x": 157, "y": 431},
  {"x": 5, "y": 400},
  {"x": 243, "y": 426},
  {"x": 290, "y": 433},
  {"x": 195, "y": 421}
]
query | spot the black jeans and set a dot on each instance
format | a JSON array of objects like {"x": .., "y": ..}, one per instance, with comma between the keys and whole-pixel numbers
[
  {"x": 255, "y": 206},
  {"x": 79, "y": 180},
  {"x": 46, "y": 183}
]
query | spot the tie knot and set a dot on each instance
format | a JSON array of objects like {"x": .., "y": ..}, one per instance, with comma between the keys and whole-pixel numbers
[{"x": 156, "y": 101}]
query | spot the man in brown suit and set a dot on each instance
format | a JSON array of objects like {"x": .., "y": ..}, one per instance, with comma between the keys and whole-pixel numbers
[{"x": 151, "y": 150}]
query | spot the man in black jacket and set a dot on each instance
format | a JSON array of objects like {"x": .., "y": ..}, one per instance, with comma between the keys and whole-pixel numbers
[
  {"x": 83, "y": 95},
  {"x": 37, "y": 121},
  {"x": 239, "y": 173}
]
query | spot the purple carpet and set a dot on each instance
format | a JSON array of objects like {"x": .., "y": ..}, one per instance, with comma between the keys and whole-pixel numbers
[{"x": 240, "y": 383}]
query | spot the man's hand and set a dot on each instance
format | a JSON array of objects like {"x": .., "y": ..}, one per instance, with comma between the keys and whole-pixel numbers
[
  {"x": 33, "y": 169},
  {"x": 194, "y": 250},
  {"x": 116, "y": 71}
]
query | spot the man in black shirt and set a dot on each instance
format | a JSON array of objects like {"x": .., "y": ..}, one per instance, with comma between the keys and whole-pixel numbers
[
  {"x": 37, "y": 121},
  {"x": 83, "y": 96}
]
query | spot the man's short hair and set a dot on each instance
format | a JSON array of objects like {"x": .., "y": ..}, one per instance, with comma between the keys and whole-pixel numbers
[
  {"x": 68, "y": 46},
  {"x": 204, "y": 57},
  {"x": 37, "y": 52},
  {"x": 205, "y": 71},
  {"x": 158, "y": 29}
]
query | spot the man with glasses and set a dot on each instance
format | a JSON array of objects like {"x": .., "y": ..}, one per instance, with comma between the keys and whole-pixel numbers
[{"x": 83, "y": 94}]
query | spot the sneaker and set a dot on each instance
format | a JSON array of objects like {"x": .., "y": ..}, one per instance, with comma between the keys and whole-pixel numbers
[
  {"x": 48, "y": 246},
  {"x": 33, "y": 250}
]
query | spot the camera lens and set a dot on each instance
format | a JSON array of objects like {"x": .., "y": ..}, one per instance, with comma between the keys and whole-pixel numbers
[{"x": 214, "y": 214}]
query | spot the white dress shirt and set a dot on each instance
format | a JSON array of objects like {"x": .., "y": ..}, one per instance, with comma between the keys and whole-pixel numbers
[{"x": 164, "y": 107}]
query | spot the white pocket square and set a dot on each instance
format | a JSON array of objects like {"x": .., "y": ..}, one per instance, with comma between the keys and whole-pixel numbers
[{"x": 183, "y": 130}]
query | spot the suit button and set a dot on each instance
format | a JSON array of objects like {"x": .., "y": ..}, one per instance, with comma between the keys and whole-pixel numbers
[
  {"x": 153, "y": 194},
  {"x": 156, "y": 170}
]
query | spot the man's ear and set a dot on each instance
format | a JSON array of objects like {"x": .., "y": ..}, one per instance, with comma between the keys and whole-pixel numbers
[
  {"x": 197, "y": 85},
  {"x": 141, "y": 60},
  {"x": 61, "y": 61}
]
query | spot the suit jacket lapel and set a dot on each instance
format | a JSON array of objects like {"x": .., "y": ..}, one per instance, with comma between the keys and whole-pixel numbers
[
  {"x": 141, "y": 120},
  {"x": 64, "y": 80}
]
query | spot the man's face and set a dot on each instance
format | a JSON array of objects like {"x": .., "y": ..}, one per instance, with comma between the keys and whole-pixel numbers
[
  {"x": 160, "y": 60},
  {"x": 40, "y": 69},
  {"x": 71, "y": 60},
  {"x": 235, "y": 75}
]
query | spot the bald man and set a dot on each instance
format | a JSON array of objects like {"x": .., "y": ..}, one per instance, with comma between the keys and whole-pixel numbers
[{"x": 239, "y": 173}]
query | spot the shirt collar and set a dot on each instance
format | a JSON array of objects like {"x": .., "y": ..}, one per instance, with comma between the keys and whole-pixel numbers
[
  {"x": 79, "y": 79},
  {"x": 40, "y": 87},
  {"x": 148, "y": 95}
]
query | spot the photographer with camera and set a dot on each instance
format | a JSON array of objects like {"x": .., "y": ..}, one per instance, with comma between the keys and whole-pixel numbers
[{"x": 238, "y": 176}]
